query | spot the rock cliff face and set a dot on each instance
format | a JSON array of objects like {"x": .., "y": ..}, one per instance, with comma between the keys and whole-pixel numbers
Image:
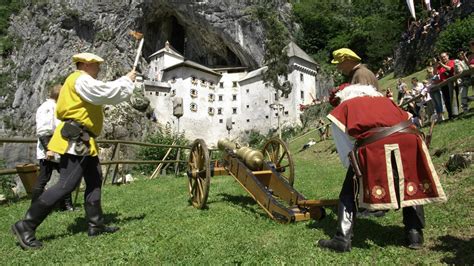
[{"x": 48, "y": 33}]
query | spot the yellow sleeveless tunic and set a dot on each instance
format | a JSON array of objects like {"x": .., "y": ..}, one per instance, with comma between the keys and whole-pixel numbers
[{"x": 71, "y": 106}]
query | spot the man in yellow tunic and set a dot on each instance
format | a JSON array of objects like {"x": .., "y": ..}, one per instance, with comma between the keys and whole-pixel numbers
[{"x": 80, "y": 109}]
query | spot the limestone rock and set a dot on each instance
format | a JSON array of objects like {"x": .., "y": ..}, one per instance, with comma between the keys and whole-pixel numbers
[{"x": 459, "y": 161}]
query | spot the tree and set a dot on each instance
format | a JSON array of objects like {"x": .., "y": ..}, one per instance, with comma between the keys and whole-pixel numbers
[{"x": 277, "y": 38}]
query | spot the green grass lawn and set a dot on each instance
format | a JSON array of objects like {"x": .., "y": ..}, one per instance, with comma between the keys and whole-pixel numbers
[{"x": 158, "y": 225}]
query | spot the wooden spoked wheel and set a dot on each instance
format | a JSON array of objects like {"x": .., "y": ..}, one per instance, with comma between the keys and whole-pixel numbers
[
  {"x": 277, "y": 152},
  {"x": 199, "y": 174}
]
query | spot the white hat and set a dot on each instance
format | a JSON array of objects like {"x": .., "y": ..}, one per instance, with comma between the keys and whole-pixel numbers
[{"x": 87, "y": 58}]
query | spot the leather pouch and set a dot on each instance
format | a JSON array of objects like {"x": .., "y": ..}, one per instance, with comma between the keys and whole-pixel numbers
[{"x": 70, "y": 131}]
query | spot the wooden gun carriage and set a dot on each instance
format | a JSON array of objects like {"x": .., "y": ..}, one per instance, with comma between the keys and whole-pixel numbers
[{"x": 271, "y": 184}]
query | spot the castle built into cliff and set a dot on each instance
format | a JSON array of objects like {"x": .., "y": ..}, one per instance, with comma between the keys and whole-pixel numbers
[{"x": 214, "y": 98}]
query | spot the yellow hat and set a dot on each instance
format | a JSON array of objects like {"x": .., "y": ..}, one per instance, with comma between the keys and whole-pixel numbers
[
  {"x": 342, "y": 54},
  {"x": 87, "y": 58}
]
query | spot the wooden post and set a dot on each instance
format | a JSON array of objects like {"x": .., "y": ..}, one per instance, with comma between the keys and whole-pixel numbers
[
  {"x": 176, "y": 164},
  {"x": 114, "y": 153},
  {"x": 158, "y": 169},
  {"x": 116, "y": 156}
]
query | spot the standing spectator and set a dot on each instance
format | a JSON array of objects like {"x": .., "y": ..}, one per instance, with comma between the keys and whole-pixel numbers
[
  {"x": 427, "y": 102},
  {"x": 435, "y": 94},
  {"x": 469, "y": 60},
  {"x": 46, "y": 123},
  {"x": 80, "y": 109},
  {"x": 462, "y": 83},
  {"x": 401, "y": 88},
  {"x": 417, "y": 87},
  {"x": 389, "y": 94},
  {"x": 445, "y": 70}
]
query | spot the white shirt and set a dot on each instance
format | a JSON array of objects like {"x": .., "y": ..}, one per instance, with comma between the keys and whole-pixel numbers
[
  {"x": 99, "y": 93},
  {"x": 344, "y": 144},
  {"x": 46, "y": 123}
]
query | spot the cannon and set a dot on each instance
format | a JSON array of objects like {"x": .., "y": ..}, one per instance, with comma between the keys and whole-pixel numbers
[{"x": 267, "y": 175}]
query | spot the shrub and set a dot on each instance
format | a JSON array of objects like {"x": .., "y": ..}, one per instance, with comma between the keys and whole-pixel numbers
[
  {"x": 457, "y": 35},
  {"x": 157, "y": 153}
]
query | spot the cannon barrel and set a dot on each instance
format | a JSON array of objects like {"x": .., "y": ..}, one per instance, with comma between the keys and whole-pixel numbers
[{"x": 252, "y": 158}]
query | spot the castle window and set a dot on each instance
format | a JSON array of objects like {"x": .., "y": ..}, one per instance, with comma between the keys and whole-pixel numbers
[
  {"x": 248, "y": 120},
  {"x": 157, "y": 93},
  {"x": 247, "y": 90},
  {"x": 301, "y": 77},
  {"x": 193, "y": 107},
  {"x": 248, "y": 106},
  {"x": 221, "y": 84},
  {"x": 210, "y": 110},
  {"x": 211, "y": 97},
  {"x": 221, "y": 121},
  {"x": 173, "y": 93},
  {"x": 286, "y": 112},
  {"x": 266, "y": 101},
  {"x": 234, "y": 110},
  {"x": 220, "y": 98},
  {"x": 266, "y": 116},
  {"x": 194, "y": 93},
  {"x": 219, "y": 111},
  {"x": 234, "y": 84},
  {"x": 173, "y": 80},
  {"x": 234, "y": 97},
  {"x": 302, "y": 95},
  {"x": 193, "y": 80}
]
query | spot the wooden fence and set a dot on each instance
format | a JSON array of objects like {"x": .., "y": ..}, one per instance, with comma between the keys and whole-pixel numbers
[{"x": 114, "y": 161}]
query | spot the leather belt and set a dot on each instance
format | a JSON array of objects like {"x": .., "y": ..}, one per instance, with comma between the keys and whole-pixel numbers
[{"x": 382, "y": 132}]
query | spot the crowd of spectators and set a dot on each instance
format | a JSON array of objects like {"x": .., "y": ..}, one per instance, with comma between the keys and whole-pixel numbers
[
  {"x": 431, "y": 23},
  {"x": 445, "y": 88}
]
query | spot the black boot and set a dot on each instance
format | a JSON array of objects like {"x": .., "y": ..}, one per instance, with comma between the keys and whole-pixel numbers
[
  {"x": 414, "y": 220},
  {"x": 67, "y": 203},
  {"x": 35, "y": 194},
  {"x": 24, "y": 230},
  {"x": 415, "y": 238},
  {"x": 96, "y": 221},
  {"x": 341, "y": 242}
]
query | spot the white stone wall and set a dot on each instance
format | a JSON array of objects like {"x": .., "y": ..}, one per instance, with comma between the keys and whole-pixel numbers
[{"x": 248, "y": 102}]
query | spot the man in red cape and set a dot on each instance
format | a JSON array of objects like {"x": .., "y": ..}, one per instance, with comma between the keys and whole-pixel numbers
[{"x": 390, "y": 167}]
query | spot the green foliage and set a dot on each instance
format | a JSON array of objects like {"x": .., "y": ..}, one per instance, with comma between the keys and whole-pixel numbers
[
  {"x": 157, "y": 153},
  {"x": 104, "y": 35},
  {"x": 7, "y": 8},
  {"x": 24, "y": 75},
  {"x": 456, "y": 35},
  {"x": 255, "y": 139},
  {"x": 6, "y": 184},
  {"x": 370, "y": 28},
  {"x": 311, "y": 115},
  {"x": 277, "y": 38}
]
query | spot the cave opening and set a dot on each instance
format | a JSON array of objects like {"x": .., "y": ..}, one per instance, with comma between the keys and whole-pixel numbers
[{"x": 192, "y": 40}]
